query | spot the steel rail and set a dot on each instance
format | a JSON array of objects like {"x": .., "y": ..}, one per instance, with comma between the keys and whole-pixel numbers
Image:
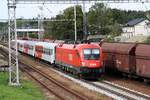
[
  {"x": 41, "y": 83},
  {"x": 138, "y": 94},
  {"x": 56, "y": 82},
  {"x": 49, "y": 78},
  {"x": 127, "y": 90}
]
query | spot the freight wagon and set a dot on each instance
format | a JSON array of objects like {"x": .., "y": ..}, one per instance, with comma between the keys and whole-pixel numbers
[{"x": 130, "y": 58}]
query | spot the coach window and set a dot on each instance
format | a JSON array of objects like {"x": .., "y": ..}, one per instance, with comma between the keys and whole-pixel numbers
[
  {"x": 26, "y": 46},
  {"x": 31, "y": 47},
  {"x": 51, "y": 51},
  {"x": 39, "y": 50},
  {"x": 48, "y": 51},
  {"x": 35, "y": 49},
  {"x": 20, "y": 45},
  {"x": 44, "y": 50}
]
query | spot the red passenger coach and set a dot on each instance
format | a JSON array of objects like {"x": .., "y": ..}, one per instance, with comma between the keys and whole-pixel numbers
[
  {"x": 26, "y": 48},
  {"x": 81, "y": 59},
  {"x": 38, "y": 51}
]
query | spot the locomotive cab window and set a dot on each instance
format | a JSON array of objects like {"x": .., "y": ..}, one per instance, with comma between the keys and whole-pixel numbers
[{"x": 91, "y": 54}]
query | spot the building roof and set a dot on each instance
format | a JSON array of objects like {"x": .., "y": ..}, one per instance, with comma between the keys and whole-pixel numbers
[{"x": 134, "y": 22}]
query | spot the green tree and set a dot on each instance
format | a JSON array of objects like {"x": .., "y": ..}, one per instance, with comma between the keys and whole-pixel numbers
[
  {"x": 33, "y": 35},
  {"x": 99, "y": 18},
  {"x": 115, "y": 29},
  {"x": 65, "y": 29}
]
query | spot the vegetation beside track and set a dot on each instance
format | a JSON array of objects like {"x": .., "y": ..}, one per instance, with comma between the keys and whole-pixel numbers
[{"x": 27, "y": 90}]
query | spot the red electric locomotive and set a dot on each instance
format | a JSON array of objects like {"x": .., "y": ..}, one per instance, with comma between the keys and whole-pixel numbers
[{"x": 82, "y": 59}]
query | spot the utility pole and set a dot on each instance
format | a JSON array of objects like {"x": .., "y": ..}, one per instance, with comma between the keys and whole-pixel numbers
[
  {"x": 12, "y": 35},
  {"x": 84, "y": 21},
  {"x": 40, "y": 23},
  {"x": 75, "y": 22}
]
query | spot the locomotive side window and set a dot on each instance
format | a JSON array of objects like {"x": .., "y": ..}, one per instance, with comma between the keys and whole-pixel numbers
[{"x": 91, "y": 54}]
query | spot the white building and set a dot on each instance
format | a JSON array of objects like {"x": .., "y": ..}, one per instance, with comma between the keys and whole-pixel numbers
[{"x": 136, "y": 27}]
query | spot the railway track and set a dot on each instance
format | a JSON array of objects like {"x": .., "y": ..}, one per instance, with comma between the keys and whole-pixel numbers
[
  {"x": 138, "y": 94},
  {"x": 109, "y": 89},
  {"x": 120, "y": 91},
  {"x": 46, "y": 80},
  {"x": 116, "y": 91},
  {"x": 49, "y": 83},
  {"x": 113, "y": 90}
]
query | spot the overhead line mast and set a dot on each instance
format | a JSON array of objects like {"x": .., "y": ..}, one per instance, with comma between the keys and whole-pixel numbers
[
  {"x": 84, "y": 21},
  {"x": 13, "y": 54}
]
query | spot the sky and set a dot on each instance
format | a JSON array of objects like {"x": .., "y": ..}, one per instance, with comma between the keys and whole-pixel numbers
[{"x": 50, "y": 10}]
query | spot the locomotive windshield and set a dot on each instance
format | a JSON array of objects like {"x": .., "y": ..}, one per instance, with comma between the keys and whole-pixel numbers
[{"x": 91, "y": 54}]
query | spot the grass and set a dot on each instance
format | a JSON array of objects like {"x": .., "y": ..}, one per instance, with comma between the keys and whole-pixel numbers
[{"x": 27, "y": 90}]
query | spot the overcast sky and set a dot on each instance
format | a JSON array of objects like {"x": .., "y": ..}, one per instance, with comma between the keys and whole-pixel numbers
[{"x": 49, "y": 10}]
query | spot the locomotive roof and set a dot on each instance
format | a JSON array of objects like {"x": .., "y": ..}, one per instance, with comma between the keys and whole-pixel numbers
[{"x": 70, "y": 46}]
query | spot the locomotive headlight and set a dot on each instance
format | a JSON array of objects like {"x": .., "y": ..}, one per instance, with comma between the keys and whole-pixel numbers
[{"x": 83, "y": 63}]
